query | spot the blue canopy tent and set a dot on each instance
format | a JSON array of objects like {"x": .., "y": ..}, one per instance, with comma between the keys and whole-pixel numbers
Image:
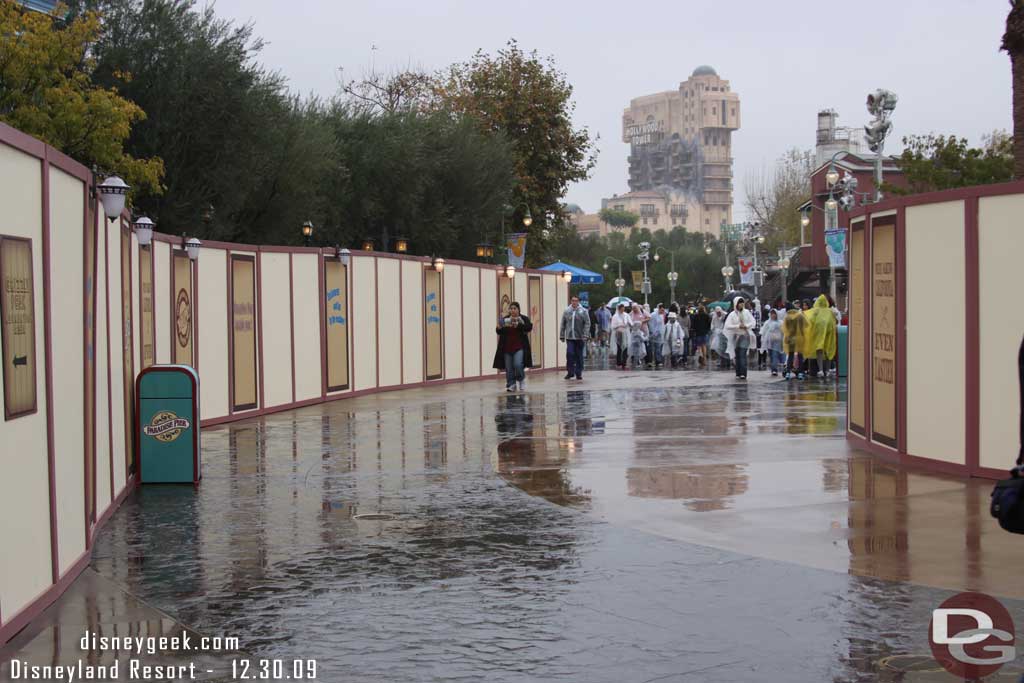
[{"x": 580, "y": 276}]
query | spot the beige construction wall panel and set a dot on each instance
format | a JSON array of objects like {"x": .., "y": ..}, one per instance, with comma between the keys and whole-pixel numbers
[
  {"x": 935, "y": 274},
  {"x": 275, "y": 305},
  {"x": 489, "y": 318},
  {"x": 412, "y": 322},
  {"x": 117, "y": 354},
  {"x": 306, "y": 300},
  {"x": 363, "y": 324},
  {"x": 67, "y": 197},
  {"x": 103, "y": 405},
  {"x": 162, "y": 292},
  {"x": 214, "y": 369},
  {"x": 520, "y": 293},
  {"x": 24, "y": 503},
  {"x": 452, "y": 304},
  {"x": 389, "y": 315},
  {"x": 552, "y": 312},
  {"x": 471, "y": 340},
  {"x": 1001, "y": 327}
]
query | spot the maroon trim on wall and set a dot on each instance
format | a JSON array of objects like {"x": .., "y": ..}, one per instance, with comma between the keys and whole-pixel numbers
[
  {"x": 259, "y": 327},
  {"x": 51, "y": 461},
  {"x": 480, "y": 320},
  {"x": 901, "y": 328},
  {"x": 91, "y": 341},
  {"x": 376, "y": 318},
  {"x": 171, "y": 286},
  {"x": 291, "y": 319},
  {"x": 322, "y": 288},
  {"x": 462, "y": 321},
  {"x": 972, "y": 338},
  {"x": 423, "y": 321},
  {"x": 152, "y": 303},
  {"x": 128, "y": 388},
  {"x": 195, "y": 315},
  {"x": 230, "y": 321}
]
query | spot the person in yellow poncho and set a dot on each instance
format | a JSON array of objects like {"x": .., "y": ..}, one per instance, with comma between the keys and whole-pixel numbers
[
  {"x": 819, "y": 341},
  {"x": 794, "y": 326}
]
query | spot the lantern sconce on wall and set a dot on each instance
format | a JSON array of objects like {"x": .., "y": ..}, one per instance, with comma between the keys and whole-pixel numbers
[
  {"x": 112, "y": 193},
  {"x": 437, "y": 264},
  {"x": 401, "y": 245},
  {"x": 567, "y": 276},
  {"x": 510, "y": 271},
  {"x": 143, "y": 228},
  {"x": 343, "y": 255},
  {"x": 368, "y": 244},
  {"x": 192, "y": 246}
]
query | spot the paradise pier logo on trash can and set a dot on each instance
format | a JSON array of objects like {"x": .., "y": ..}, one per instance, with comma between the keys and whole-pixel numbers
[
  {"x": 166, "y": 426},
  {"x": 972, "y": 635}
]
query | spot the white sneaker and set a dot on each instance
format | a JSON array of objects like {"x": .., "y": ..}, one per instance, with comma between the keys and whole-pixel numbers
[{"x": 522, "y": 385}]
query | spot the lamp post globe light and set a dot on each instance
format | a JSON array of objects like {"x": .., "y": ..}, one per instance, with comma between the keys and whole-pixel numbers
[
  {"x": 784, "y": 265},
  {"x": 307, "y": 231},
  {"x": 619, "y": 282},
  {"x": 112, "y": 193},
  {"x": 143, "y": 228},
  {"x": 727, "y": 272}
]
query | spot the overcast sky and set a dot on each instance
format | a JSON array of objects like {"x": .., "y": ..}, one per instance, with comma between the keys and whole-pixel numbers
[{"x": 786, "y": 60}]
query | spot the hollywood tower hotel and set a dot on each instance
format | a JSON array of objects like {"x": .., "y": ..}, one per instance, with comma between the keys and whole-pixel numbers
[{"x": 680, "y": 162}]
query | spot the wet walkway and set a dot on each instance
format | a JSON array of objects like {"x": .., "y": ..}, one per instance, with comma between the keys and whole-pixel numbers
[{"x": 668, "y": 526}]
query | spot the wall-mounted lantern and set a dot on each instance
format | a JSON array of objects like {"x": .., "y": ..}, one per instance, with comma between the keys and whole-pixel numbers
[
  {"x": 143, "y": 228},
  {"x": 112, "y": 193}
]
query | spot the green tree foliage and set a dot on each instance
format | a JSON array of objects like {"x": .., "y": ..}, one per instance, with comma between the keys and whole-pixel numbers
[
  {"x": 47, "y": 90},
  {"x": 528, "y": 100},
  {"x": 433, "y": 178},
  {"x": 230, "y": 134},
  {"x": 1013, "y": 44},
  {"x": 699, "y": 274},
  {"x": 618, "y": 218},
  {"x": 938, "y": 162}
]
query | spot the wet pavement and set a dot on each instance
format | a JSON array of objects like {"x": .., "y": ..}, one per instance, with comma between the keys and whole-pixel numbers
[{"x": 636, "y": 526}]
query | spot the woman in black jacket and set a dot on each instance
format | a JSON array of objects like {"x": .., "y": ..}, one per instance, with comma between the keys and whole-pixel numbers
[
  {"x": 700, "y": 328},
  {"x": 513, "y": 354}
]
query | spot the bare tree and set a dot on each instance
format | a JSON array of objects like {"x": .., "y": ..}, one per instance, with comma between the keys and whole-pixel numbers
[
  {"x": 395, "y": 91},
  {"x": 774, "y": 194}
]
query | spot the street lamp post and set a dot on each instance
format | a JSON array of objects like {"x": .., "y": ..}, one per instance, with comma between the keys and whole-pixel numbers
[
  {"x": 881, "y": 104},
  {"x": 673, "y": 276},
  {"x": 756, "y": 240},
  {"x": 727, "y": 272},
  {"x": 644, "y": 256},
  {"x": 619, "y": 282},
  {"x": 784, "y": 265}
]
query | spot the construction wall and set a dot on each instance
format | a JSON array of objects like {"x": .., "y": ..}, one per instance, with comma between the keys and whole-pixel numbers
[
  {"x": 935, "y": 331},
  {"x": 86, "y": 308}
]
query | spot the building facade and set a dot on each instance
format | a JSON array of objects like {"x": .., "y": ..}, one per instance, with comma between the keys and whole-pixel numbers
[{"x": 681, "y": 150}]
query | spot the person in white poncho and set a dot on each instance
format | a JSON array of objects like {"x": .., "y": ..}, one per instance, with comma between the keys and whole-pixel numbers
[{"x": 739, "y": 331}]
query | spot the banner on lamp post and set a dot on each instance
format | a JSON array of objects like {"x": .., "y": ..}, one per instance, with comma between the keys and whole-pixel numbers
[
  {"x": 638, "y": 280},
  {"x": 835, "y": 246},
  {"x": 746, "y": 270},
  {"x": 517, "y": 249}
]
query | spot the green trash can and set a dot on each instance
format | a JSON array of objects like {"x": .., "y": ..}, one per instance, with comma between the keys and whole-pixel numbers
[
  {"x": 167, "y": 424},
  {"x": 842, "y": 340}
]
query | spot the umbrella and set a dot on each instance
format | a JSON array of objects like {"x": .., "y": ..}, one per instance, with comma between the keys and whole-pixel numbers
[
  {"x": 616, "y": 300},
  {"x": 580, "y": 276}
]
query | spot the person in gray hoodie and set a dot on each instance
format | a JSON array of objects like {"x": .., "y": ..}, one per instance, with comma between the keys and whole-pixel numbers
[{"x": 574, "y": 331}]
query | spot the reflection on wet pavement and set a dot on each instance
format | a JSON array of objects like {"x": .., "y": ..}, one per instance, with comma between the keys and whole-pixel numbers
[{"x": 697, "y": 531}]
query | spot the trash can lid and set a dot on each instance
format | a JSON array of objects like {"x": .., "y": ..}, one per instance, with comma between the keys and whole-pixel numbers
[{"x": 168, "y": 381}]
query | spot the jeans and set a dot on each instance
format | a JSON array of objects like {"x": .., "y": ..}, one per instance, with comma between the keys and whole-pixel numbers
[
  {"x": 655, "y": 346},
  {"x": 775, "y": 360},
  {"x": 514, "y": 371},
  {"x": 741, "y": 361},
  {"x": 621, "y": 349},
  {"x": 792, "y": 359},
  {"x": 574, "y": 357}
]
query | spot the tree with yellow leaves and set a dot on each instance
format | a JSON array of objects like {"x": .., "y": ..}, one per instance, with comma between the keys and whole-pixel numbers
[{"x": 46, "y": 90}]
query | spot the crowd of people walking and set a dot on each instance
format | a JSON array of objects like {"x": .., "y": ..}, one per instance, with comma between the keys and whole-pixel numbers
[{"x": 797, "y": 339}]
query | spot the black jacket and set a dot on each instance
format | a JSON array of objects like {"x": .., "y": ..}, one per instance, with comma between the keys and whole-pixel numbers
[
  {"x": 503, "y": 332},
  {"x": 700, "y": 324}
]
